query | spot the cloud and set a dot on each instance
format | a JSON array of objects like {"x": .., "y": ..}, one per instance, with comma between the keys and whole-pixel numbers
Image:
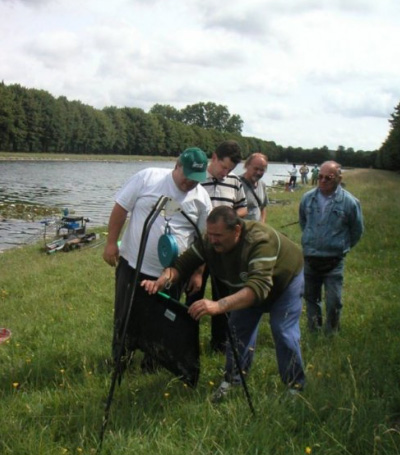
[
  {"x": 54, "y": 49},
  {"x": 29, "y": 3},
  {"x": 300, "y": 73},
  {"x": 374, "y": 103}
]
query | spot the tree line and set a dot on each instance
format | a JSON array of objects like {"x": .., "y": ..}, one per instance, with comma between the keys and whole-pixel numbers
[
  {"x": 388, "y": 156},
  {"x": 33, "y": 120}
]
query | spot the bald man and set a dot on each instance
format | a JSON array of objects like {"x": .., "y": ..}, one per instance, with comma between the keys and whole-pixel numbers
[
  {"x": 254, "y": 187},
  {"x": 332, "y": 223}
]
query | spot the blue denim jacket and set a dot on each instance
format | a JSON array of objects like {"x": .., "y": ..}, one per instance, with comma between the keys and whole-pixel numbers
[{"x": 334, "y": 233}]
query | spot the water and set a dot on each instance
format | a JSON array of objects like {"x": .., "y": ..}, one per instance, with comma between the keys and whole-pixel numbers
[{"x": 86, "y": 188}]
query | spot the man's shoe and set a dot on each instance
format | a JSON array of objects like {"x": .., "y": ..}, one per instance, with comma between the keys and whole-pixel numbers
[
  {"x": 295, "y": 389},
  {"x": 221, "y": 392}
]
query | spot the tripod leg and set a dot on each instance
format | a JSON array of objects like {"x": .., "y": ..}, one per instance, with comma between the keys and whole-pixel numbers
[{"x": 117, "y": 368}]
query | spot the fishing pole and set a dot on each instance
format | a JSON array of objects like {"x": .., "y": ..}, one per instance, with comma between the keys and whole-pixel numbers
[{"x": 287, "y": 225}]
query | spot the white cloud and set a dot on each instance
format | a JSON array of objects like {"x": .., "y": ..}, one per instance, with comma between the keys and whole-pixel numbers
[
  {"x": 355, "y": 104},
  {"x": 302, "y": 72}
]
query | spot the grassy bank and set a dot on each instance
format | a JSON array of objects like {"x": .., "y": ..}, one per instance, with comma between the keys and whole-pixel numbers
[
  {"x": 54, "y": 375},
  {"x": 27, "y": 156}
]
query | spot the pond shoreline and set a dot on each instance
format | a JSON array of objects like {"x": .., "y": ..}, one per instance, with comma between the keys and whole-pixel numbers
[{"x": 64, "y": 157}]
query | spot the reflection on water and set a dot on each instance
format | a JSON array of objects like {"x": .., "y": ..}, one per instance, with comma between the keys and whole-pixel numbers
[{"x": 85, "y": 188}]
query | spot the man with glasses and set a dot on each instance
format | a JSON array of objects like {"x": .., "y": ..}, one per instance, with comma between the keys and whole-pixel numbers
[
  {"x": 332, "y": 223},
  {"x": 254, "y": 187}
]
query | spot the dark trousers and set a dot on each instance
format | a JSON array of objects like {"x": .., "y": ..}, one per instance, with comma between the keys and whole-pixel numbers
[
  {"x": 330, "y": 280},
  {"x": 219, "y": 323},
  {"x": 124, "y": 277}
]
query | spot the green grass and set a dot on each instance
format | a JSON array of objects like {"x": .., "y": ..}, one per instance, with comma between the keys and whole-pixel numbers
[{"x": 54, "y": 376}]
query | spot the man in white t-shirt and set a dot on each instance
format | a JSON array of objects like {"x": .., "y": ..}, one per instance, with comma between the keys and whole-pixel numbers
[{"x": 137, "y": 198}]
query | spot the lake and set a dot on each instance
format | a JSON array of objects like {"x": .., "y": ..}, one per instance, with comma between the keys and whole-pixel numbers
[{"x": 86, "y": 188}]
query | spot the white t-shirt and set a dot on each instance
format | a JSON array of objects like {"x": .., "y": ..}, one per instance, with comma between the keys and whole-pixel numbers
[{"x": 139, "y": 195}]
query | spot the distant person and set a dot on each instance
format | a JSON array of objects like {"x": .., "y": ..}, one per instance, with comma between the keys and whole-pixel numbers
[
  {"x": 332, "y": 223},
  {"x": 137, "y": 198},
  {"x": 254, "y": 187},
  {"x": 314, "y": 174},
  {"x": 224, "y": 188},
  {"x": 304, "y": 170},
  {"x": 293, "y": 177},
  {"x": 263, "y": 271}
]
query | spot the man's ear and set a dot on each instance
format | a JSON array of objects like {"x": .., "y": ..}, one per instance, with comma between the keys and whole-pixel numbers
[{"x": 238, "y": 230}]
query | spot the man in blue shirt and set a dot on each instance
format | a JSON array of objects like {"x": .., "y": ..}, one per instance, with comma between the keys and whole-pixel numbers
[{"x": 332, "y": 223}]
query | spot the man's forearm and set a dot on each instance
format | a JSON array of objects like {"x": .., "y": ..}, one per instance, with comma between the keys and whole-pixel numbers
[
  {"x": 116, "y": 223},
  {"x": 237, "y": 301}
]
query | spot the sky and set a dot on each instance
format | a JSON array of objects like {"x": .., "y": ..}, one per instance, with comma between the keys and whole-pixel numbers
[{"x": 301, "y": 73}]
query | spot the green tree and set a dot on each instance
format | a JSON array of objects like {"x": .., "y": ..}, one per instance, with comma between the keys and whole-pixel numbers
[
  {"x": 19, "y": 128},
  {"x": 119, "y": 135},
  {"x": 389, "y": 153},
  {"x": 167, "y": 111},
  {"x": 52, "y": 119},
  {"x": 6, "y": 117},
  {"x": 170, "y": 130},
  {"x": 211, "y": 115},
  {"x": 234, "y": 124},
  {"x": 146, "y": 136}
]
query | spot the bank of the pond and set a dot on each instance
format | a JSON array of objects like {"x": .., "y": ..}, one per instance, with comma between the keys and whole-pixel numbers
[
  {"x": 55, "y": 375},
  {"x": 6, "y": 156}
]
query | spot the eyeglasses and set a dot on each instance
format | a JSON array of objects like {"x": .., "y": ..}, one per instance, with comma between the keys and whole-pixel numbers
[{"x": 326, "y": 177}]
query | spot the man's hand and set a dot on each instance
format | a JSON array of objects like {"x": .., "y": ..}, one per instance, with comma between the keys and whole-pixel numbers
[
  {"x": 111, "y": 254},
  {"x": 115, "y": 224},
  {"x": 164, "y": 281},
  {"x": 195, "y": 282},
  {"x": 152, "y": 287},
  {"x": 203, "y": 307}
]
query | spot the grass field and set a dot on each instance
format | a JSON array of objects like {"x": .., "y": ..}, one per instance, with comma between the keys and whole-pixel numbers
[{"x": 55, "y": 376}]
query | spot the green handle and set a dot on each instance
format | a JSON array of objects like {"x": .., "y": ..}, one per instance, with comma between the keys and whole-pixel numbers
[{"x": 168, "y": 297}]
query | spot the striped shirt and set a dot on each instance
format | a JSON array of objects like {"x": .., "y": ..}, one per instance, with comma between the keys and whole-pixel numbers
[{"x": 228, "y": 191}]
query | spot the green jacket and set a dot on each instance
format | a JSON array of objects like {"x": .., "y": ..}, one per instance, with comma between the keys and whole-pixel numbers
[{"x": 263, "y": 260}]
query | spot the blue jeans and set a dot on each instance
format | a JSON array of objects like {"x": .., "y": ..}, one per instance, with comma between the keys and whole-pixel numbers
[
  {"x": 285, "y": 314},
  {"x": 332, "y": 281}
]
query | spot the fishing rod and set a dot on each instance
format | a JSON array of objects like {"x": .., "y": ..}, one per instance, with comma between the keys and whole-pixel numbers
[
  {"x": 235, "y": 352},
  {"x": 162, "y": 201},
  {"x": 287, "y": 225}
]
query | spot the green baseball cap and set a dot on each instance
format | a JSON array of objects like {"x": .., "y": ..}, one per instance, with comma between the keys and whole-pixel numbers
[{"x": 194, "y": 163}]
